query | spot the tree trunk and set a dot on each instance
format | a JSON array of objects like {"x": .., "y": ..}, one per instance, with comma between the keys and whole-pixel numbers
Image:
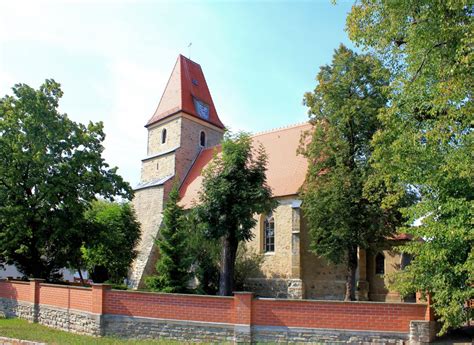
[
  {"x": 226, "y": 277},
  {"x": 351, "y": 273},
  {"x": 80, "y": 276}
]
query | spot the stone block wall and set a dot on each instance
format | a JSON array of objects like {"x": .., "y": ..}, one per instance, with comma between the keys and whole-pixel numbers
[
  {"x": 173, "y": 136},
  {"x": 422, "y": 332},
  {"x": 190, "y": 146},
  {"x": 148, "y": 205},
  {"x": 192, "y": 318},
  {"x": 378, "y": 284},
  {"x": 158, "y": 167},
  {"x": 277, "y": 264},
  {"x": 150, "y": 328},
  {"x": 275, "y": 287},
  {"x": 70, "y": 320}
]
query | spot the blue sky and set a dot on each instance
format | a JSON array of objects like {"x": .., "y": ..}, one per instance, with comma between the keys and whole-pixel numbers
[{"x": 113, "y": 59}]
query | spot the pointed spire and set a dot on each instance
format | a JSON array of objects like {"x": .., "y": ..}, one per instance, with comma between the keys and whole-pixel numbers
[{"x": 187, "y": 91}]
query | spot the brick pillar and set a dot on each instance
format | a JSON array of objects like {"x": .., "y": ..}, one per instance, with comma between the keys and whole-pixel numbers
[
  {"x": 34, "y": 298},
  {"x": 98, "y": 299},
  {"x": 426, "y": 298},
  {"x": 423, "y": 331},
  {"x": 243, "y": 317}
]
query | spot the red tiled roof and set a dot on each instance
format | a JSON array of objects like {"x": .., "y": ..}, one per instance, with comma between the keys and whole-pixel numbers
[
  {"x": 401, "y": 237},
  {"x": 286, "y": 170},
  {"x": 185, "y": 83}
]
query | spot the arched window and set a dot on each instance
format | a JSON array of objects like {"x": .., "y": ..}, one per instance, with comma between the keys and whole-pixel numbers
[
  {"x": 379, "y": 264},
  {"x": 405, "y": 261},
  {"x": 269, "y": 233},
  {"x": 163, "y": 136},
  {"x": 202, "y": 139}
]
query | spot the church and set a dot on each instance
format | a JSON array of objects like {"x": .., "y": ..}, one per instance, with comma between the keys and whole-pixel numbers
[{"x": 183, "y": 134}]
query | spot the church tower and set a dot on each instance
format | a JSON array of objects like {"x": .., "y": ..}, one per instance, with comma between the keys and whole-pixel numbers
[{"x": 184, "y": 123}]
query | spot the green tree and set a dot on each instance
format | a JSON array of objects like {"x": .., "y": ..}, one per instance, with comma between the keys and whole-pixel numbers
[
  {"x": 51, "y": 168},
  {"x": 114, "y": 234},
  {"x": 248, "y": 264},
  {"x": 426, "y": 144},
  {"x": 234, "y": 189},
  {"x": 205, "y": 252},
  {"x": 343, "y": 108},
  {"x": 174, "y": 265}
]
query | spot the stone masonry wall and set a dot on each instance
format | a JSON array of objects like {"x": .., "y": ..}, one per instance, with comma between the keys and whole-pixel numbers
[
  {"x": 378, "y": 284},
  {"x": 323, "y": 280},
  {"x": 270, "y": 334},
  {"x": 277, "y": 264},
  {"x": 315, "y": 278},
  {"x": 148, "y": 205},
  {"x": 190, "y": 147},
  {"x": 70, "y": 320},
  {"x": 173, "y": 136},
  {"x": 274, "y": 287},
  {"x": 148, "y": 328},
  {"x": 13, "y": 308},
  {"x": 158, "y": 167}
]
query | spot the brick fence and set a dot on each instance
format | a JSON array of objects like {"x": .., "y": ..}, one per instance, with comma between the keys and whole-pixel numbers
[{"x": 100, "y": 310}]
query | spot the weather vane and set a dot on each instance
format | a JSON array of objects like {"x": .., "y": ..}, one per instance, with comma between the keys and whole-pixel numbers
[{"x": 189, "y": 50}]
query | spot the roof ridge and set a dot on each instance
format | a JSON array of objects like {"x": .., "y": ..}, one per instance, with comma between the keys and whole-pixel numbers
[
  {"x": 185, "y": 57},
  {"x": 277, "y": 129}
]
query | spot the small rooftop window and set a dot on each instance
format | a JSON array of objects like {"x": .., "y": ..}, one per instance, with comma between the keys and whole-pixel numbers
[{"x": 195, "y": 82}]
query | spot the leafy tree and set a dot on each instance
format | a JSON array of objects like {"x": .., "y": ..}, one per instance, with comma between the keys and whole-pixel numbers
[
  {"x": 343, "y": 109},
  {"x": 51, "y": 168},
  {"x": 234, "y": 189},
  {"x": 426, "y": 144},
  {"x": 114, "y": 234},
  {"x": 248, "y": 264},
  {"x": 205, "y": 252},
  {"x": 174, "y": 265}
]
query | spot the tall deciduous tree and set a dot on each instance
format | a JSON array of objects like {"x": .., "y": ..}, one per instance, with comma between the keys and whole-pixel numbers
[
  {"x": 110, "y": 248},
  {"x": 205, "y": 252},
  {"x": 234, "y": 189},
  {"x": 427, "y": 139},
  {"x": 343, "y": 108},
  {"x": 51, "y": 168},
  {"x": 174, "y": 265}
]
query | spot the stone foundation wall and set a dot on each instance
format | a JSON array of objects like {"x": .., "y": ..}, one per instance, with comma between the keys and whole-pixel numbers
[
  {"x": 422, "y": 332},
  {"x": 151, "y": 328},
  {"x": 273, "y": 334},
  {"x": 14, "y": 308},
  {"x": 74, "y": 321}
]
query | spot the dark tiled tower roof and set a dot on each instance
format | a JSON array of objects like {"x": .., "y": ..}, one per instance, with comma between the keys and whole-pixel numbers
[{"x": 185, "y": 85}]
